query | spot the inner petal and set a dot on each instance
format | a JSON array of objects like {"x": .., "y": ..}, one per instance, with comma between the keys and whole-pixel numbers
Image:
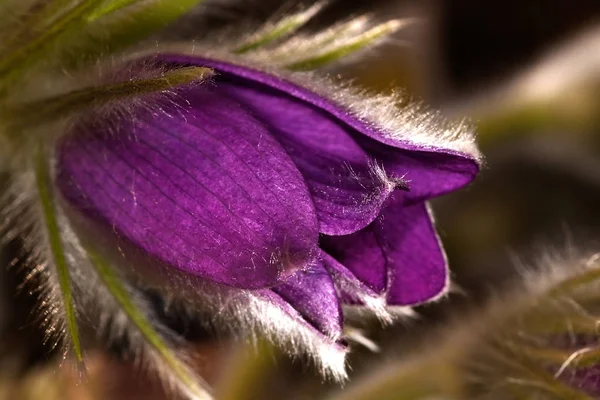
[
  {"x": 418, "y": 270},
  {"x": 362, "y": 254},
  {"x": 199, "y": 184},
  {"x": 429, "y": 174},
  {"x": 398, "y": 255},
  {"x": 314, "y": 296}
]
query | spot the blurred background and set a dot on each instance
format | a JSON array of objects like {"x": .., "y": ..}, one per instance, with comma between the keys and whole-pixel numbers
[{"x": 526, "y": 73}]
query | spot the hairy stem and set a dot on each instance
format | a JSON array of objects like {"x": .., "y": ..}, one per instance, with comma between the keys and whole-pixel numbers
[{"x": 46, "y": 197}]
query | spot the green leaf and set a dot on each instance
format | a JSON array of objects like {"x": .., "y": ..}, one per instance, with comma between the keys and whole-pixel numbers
[
  {"x": 276, "y": 31},
  {"x": 49, "y": 109},
  {"x": 32, "y": 21},
  {"x": 315, "y": 43},
  {"x": 111, "y": 7},
  {"x": 14, "y": 63},
  {"x": 111, "y": 34},
  {"x": 347, "y": 46},
  {"x": 577, "y": 281},
  {"x": 192, "y": 385},
  {"x": 46, "y": 197}
]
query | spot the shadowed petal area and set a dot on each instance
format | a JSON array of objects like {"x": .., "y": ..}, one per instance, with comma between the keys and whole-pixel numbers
[
  {"x": 362, "y": 254},
  {"x": 313, "y": 295},
  {"x": 333, "y": 131},
  {"x": 398, "y": 254},
  {"x": 199, "y": 184},
  {"x": 352, "y": 290}
]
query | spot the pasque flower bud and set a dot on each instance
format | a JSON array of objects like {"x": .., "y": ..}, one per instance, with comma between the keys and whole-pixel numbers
[{"x": 274, "y": 197}]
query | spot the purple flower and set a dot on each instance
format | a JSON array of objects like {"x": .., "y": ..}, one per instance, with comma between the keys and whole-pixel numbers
[{"x": 261, "y": 187}]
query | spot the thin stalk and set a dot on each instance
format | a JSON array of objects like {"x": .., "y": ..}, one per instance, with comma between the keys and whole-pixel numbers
[
  {"x": 43, "y": 182},
  {"x": 127, "y": 304}
]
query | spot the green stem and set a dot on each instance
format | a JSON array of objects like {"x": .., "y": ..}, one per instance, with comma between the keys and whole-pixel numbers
[
  {"x": 122, "y": 297},
  {"x": 43, "y": 181},
  {"x": 62, "y": 105}
]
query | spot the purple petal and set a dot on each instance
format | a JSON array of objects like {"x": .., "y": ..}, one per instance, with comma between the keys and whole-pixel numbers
[
  {"x": 432, "y": 171},
  {"x": 199, "y": 184},
  {"x": 266, "y": 314},
  {"x": 416, "y": 261},
  {"x": 352, "y": 290},
  {"x": 398, "y": 254},
  {"x": 362, "y": 254},
  {"x": 429, "y": 174},
  {"x": 347, "y": 193},
  {"x": 284, "y": 324},
  {"x": 313, "y": 295}
]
